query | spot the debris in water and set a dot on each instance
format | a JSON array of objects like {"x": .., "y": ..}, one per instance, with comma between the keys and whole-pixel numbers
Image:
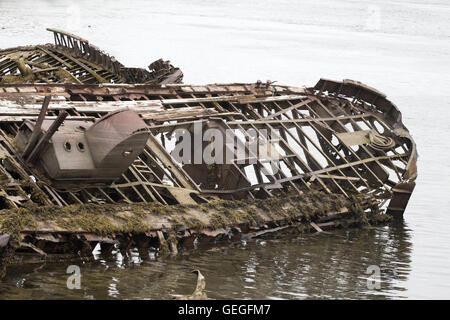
[{"x": 198, "y": 293}]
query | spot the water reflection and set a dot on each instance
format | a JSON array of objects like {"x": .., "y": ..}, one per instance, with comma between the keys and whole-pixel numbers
[{"x": 280, "y": 267}]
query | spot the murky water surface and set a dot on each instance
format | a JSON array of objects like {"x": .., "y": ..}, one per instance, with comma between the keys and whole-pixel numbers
[
  {"x": 399, "y": 47},
  {"x": 284, "y": 267}
]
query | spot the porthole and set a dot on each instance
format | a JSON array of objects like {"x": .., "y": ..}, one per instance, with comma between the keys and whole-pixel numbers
[
  {"x": 67, "y": 146},
  {"x": 81, "y": 146}
]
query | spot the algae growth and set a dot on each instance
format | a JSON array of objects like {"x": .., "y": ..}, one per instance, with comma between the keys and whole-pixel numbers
[{"x": 137, "y": 218}]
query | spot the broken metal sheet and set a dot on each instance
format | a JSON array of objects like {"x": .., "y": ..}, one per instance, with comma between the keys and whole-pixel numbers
[
  {"x": 354, "y": 138},
  {"x": 401, "y": 194}
]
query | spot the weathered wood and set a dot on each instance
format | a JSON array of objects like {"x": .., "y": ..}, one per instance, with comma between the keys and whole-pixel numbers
[
  {"x": 47, "y": 136},
  {"x": 295, "y": 106},
  {"x": 37, "y": 128}
]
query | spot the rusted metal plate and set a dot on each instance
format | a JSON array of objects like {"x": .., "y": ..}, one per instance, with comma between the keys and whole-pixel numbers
[
  {"x": 401, "y": 194},
  {"x": 354, "y": 138}
]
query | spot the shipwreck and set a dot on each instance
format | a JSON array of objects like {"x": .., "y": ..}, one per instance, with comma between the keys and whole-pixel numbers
[{"x": 87, "y": 156}]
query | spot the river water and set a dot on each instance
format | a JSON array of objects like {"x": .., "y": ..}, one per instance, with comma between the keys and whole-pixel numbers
[{"x": 400, "y": 47}]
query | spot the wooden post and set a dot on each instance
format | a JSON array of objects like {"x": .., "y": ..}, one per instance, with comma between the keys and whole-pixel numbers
[
  {"x": 47, "y": 136},
  {"x": 37, "y": 128}
]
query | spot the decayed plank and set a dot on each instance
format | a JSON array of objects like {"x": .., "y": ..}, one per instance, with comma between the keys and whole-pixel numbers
[
  {"x": 198, "y": 100},
  {"x": 152, "y": 110},
  {"x": 180, "y": 113},
  {"x": 11, "y": 107},
  {"x": 295, "y": 106},
  {"x": 250, "y": 99},
  {"x": 16, "y": 118},
  {"x": 168, "y": 161}
]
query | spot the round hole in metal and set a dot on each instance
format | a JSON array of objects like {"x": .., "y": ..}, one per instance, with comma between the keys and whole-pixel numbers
[
  {"x": 81, "y": 146},
  {"x": 67, "y": 146}
]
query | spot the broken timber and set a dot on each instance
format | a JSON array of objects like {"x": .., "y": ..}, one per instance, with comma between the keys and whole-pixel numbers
[
  {"x": 74, "y": 60},
  {"x": 343, "y": 157}
]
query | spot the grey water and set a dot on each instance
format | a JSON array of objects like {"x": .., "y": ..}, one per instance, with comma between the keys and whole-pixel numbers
[{"x": 400, "y": 47}]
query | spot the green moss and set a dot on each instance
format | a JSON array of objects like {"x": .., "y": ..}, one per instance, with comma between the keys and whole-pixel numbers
[
  {"x": 105, "y": 219},
  {"x": 65, "y": 76},
  {"x": 100, "y": 219},
  {"x": 164, "y": 248},
  {"x": 133, "y": 218},
  {"x": 17, "y": 79},
  {"x": 218, "y": 220},
  {"x": 12, "y": 225}
]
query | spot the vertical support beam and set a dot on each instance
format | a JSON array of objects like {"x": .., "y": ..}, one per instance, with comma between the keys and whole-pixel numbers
[
  {"x": 47, "y": 136},
  {"x": 37, "y": 128}
]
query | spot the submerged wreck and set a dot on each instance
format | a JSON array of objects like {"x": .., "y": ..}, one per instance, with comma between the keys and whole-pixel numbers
[{"x": 87, "y": 149}]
